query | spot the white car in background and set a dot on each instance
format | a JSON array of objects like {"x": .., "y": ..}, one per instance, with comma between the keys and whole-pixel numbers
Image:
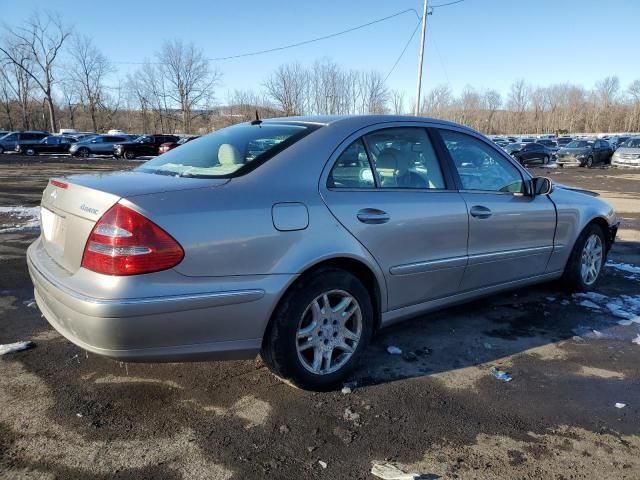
[{"x": 627, "y": 154}]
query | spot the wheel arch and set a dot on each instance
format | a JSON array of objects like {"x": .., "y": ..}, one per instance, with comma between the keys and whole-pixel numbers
[{"x": 357, "y": 267}]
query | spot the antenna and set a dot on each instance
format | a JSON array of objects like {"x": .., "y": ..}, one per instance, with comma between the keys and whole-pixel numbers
[{"x": 257, "y": 121}]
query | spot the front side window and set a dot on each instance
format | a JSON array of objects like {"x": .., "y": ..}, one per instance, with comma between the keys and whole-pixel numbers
[
  {"x": 352, "y": 169},
  {"x": 227, "y": 151},
  {"x": 404, "y": 158},
  {"x": 480, "y": 166}
]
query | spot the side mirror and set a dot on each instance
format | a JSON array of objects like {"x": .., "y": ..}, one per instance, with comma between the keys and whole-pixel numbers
[{"x": 541, "y": 186}]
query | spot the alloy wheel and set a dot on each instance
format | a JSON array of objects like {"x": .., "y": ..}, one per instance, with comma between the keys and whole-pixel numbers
[
  {"x": 591, "y": 260},
  {"x": 329, "y": 332}
]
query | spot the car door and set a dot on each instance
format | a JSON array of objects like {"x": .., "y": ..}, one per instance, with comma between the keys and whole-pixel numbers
[
  {"x": 510, "y": 233},
  {"x": 388, "y": 188},
  {"x": 52, "y": 145}
]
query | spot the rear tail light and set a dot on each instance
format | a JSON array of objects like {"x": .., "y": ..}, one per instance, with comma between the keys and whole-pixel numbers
[{"x": 124, "y": 242}]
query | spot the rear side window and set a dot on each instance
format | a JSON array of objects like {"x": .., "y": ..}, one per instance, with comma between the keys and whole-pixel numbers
[
  {"x": 229, "y": 152},
  {"x": 352, "y": 169},
  {"x": 480, "y": 166},
  {"x": 405, "y": 158}
]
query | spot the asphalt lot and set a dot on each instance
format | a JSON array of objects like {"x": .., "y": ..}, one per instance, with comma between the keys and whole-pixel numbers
[{"x": 437, "y": 410}]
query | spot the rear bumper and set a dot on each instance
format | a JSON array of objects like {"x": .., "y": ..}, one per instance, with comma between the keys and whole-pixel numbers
[{"x": 226, "y": 321}]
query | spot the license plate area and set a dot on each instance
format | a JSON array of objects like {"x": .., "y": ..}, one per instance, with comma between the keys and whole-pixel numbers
[{"x": 53, "y": 227}]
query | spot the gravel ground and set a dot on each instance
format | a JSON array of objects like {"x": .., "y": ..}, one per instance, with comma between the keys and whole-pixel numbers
[{"x": 435, "y": 410}]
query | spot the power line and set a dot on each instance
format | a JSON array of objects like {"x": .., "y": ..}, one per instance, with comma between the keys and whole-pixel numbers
[
  {"x": 445, "y": 4},
  {"x": 403, "y": 50},
  {"x": 298, "y": 44}
]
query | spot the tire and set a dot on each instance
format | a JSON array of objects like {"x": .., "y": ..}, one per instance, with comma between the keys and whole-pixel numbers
[
  {"x": 30, "y": 152},
  {"x": 129, "y": 155},
  {"x": 84, "y": 152},
  {"x": 561, "y": 165},
  {"x": 589, "y": 162},
  {"x": 1, "y": 150},
  {"x": 573, "y": 278},
  {"x": 299, "y": 319},
  {"x": 545, "y": 160}
]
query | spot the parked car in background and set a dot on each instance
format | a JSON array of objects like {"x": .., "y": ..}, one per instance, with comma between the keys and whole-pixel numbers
[
  {"x": 142, "y": 146},
  {"x": 527, "y": 140},
  {"x": 550, "y": 144},
  {"x": 10, "y": 140},
  {"x": 584, "y": 153},
  {"x": 563, "y": 141},
  {"x": 165, "y": 147},
  {"x": 50, "y": 144},
  {"x": 96, "y": 145},
  {"x": 300, "y": 251},
  {"x": 627, "y": 154},
  {"x": 532, "y": 153}
]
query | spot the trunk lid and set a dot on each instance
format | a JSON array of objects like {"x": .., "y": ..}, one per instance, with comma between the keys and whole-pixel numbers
[{"x": 71, "y": 206}]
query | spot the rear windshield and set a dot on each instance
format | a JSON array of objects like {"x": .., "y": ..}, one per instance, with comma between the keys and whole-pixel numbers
[
  {"x": 228, "y": 152},
  {"x": 632, "y": 143}
]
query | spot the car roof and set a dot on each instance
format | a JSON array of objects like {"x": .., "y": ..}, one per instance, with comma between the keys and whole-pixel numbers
[{"x": 362, "y": 120}]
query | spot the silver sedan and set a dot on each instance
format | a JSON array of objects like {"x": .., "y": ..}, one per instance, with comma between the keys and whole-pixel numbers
[{"x": 299, "y": 238}]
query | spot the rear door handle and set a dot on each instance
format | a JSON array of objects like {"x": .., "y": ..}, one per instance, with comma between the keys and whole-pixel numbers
[
  {"x": 373, "y": 216},
  {"x": 479, "y": 211}
]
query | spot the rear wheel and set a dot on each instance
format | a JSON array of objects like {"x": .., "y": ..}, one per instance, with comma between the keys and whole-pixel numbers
[
  {"x": 319, "y": 330},
  {"x": 30, "y": 151},
  {"x": 129, "y": 155},
  {"x": 589, "y": 162},
  {"x": 545, "y": 160},
  {"x": 84, "y": 152},
  {"x": 584, "y": 267}
]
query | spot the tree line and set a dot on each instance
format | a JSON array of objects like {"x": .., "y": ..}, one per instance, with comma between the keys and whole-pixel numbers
[{"x": 52, "y": 77}]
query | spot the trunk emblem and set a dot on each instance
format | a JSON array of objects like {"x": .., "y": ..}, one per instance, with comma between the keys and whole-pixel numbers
[{"x": 84, "y": 208}]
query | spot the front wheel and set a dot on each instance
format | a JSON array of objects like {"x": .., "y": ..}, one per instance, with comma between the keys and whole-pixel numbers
[
  {"x": 84, "y": 152},
  {"x": 545, "y": 160},
  {"x": 584, "y": 267},
  {"x": 30, "y": 152},
  {"x": 589, "y": 162},
  {"x": 129, "y": 155},
  {"x": 319, "y": 330}
]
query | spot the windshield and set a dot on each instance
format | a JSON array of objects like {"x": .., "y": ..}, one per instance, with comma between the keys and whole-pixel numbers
[
  {"x": 579, "y": 144},
  {"x": 632, "y": 143},
  {"x": 224, "y": 152}
]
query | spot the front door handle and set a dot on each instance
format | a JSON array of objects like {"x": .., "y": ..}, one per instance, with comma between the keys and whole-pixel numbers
[
  {"x": 373, "y": 216},
  {"x": 479, "y": 211}
]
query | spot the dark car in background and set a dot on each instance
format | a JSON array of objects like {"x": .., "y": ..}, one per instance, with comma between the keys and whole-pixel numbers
[
  {"x": 50, "y": 144},
  {"x": 564, "y": 141},
  {"x": 10, "y": 140},
  {"x": 165, "y": 147},
  {"x": 96, "y": 145},
  {"x": 584, "y": 153},
  {"x": 146, "y": 145},
  {"x": 532, "y": 152},
  {"x": 550, "y": 144}
]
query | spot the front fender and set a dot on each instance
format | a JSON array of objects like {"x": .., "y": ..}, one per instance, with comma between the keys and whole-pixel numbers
[{"x": 575, "y": 210}]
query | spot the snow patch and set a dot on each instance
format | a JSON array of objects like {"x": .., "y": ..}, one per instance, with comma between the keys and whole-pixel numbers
[
  {"x": 23, "y": 219},
  {"x": 625, "y": 267}
]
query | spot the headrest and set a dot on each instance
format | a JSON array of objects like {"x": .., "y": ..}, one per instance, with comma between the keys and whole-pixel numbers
[{"x": 229, "y": 155}]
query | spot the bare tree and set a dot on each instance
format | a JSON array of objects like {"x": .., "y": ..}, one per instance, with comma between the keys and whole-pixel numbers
[
  {"x": 41, "y": 38},
  {"x": 491, "y": 101},
  {"x": 189, "y": 77},
  {"x": 286, "y": 86},
  {"x": 88, "y": 71},
  {"x": 397, "y": 102}
]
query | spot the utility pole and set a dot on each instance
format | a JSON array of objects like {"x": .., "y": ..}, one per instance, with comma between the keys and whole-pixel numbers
[{"x": 420, "y": 59}]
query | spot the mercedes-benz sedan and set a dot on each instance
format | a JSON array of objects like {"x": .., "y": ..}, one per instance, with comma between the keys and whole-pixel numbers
[{"x": 298, "y": 238}]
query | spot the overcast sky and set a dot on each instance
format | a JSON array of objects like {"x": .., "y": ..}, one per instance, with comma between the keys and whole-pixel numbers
[{"x": 483, "y": 43}]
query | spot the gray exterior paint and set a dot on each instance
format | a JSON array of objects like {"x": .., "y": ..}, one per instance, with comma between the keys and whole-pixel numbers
[{"x": 247, "y": 239}]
